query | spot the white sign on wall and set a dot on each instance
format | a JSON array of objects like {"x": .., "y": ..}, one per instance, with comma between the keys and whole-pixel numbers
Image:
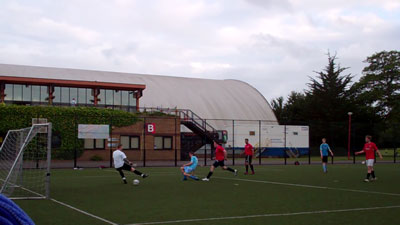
[{"x": 92, "y": 131}]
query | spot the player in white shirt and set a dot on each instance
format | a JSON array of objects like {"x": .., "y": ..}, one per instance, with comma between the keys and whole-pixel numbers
[{"x": 121, "y": 162}]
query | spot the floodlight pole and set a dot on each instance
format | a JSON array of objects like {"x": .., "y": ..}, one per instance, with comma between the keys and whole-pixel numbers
[{"x": 349, "y": 136}]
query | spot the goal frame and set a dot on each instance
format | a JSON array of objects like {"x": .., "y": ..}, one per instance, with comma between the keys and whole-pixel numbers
[{"x": 20, "y": 154}]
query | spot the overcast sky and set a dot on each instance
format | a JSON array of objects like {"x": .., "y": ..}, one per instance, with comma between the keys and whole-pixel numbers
[{"x": 272, "y": 44}]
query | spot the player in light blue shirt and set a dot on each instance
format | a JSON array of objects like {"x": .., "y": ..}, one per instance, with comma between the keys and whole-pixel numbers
[
  {"x": 324, "y": 151},
  {"x": 189, "y": 168}
]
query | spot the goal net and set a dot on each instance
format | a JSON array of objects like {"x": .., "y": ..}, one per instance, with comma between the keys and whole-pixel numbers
[{"x": 25, "y": 156}]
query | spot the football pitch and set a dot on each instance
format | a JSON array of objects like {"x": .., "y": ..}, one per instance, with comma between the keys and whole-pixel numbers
[{"x": 282, "y": 195}]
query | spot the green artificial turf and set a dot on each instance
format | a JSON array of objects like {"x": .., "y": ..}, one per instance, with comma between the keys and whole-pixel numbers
[{"x": 273, "y": 190}]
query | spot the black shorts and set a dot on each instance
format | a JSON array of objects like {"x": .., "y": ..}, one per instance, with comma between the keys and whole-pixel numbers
[
  {"x": 325, "y": 159},
  {"x": 125, "y": 167},
  {"x": 219, "y": 163},
  {"x": 249, "y": 159}
]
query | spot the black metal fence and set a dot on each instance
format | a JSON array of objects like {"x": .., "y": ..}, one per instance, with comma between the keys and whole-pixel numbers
[{"x": 274, "y": 144}]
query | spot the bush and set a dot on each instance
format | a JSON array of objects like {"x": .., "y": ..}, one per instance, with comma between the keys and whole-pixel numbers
[{"x": 96, "y": 158}]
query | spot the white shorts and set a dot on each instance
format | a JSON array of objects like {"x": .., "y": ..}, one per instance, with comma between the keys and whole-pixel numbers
[{"x": 370, "y": 162}]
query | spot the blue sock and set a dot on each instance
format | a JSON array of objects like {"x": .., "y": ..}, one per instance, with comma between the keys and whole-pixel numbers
[
  {"x": 184, "y": 177},
  {"x": 194, "y": 177},
  {"x": 325, "y": 169}
]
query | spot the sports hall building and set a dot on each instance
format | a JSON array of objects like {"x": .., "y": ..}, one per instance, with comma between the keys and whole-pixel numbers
[{"x": 206, "y": 104}]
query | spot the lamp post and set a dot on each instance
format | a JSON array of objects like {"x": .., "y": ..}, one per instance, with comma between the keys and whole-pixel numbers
[{"x": 349, "y": 136}]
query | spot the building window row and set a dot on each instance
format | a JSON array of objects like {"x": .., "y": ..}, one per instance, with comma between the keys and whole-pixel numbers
[
  {"x": 94, "y": 143},
  {"x": 130, "y": 143},
  {"x": 26, "y": 93},
  {"x": 68, "y": 95},
  {"x": 163, "y": 142}
]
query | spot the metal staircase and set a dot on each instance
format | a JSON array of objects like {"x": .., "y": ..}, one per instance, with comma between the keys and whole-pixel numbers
[{"x": 203, "y": 132}]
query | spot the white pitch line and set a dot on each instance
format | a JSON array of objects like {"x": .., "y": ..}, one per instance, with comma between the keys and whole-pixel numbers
[
  {"x": 83, "y": 212},
  {"x": 268, "y": 215},
  {"x": 310, "y": 186}
]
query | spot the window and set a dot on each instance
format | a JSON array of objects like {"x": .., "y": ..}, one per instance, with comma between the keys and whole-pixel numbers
[
  {"x": 44, "y": 94},
  {"x": 65, "y": 95},
  {"x": 26, "y": 93},
  {"x": 158, "y": 142},
  {"x": 117, "y": 98},
  {"x": 135, "y": 142},
  {"x": 102, "y": 97},
  {"x": 167, "y": 142},
  {"x": 82, "y": 96},
  {"x": 130, "y": 142},
  {"x": 9, "y": 92},
  {"x": 99, "y": 143},
  {"x": 163, "y": 143},
  {"x": 109, "y": 97},
  {"x": 57, "y": 95},
  {"x": 35, "y": 93},
  {"x": 125, "y": 98},
  {"x": 17, "y": 93},
  {"x": 125, "y": 142},
  {"x": 94, "y": 143},
  {"x": 89, "y": 97},
  {"x": 88, "y": 144},
  {"x": 73, "y": 95},
  {"x": 132, "y": 99}
]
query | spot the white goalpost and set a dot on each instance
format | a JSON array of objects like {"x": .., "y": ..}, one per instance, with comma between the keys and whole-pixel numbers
[{"x": 25, "y": 156}]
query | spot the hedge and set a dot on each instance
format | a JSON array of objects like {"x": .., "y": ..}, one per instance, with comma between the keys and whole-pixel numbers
[{"x": 65, "y": 121}]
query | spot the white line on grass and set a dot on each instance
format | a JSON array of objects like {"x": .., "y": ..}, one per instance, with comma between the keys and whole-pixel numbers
[
  {"x": 83, "y": 212},
  {"x": 309, "y": 186},
  {"x": 269, "y": 215}
]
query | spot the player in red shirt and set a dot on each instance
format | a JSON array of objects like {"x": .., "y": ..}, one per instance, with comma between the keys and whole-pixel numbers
[
  {"x": 369, "y": 150},
  {"x": 220, "y": 156},
  {"x": 248, "y": 152}
]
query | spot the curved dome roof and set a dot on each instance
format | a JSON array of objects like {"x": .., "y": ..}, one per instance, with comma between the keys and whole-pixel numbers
[{"x": 210, "y": 99}]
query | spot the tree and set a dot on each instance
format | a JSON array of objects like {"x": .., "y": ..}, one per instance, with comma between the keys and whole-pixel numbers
[
  {"x": 329, "y": 93},
  {"x": 379, "y": 86},
  {"x": 295, "y": 109},
  {"x": 277, "y": 107}
]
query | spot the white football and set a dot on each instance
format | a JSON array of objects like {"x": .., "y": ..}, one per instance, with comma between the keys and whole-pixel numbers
[
  {"x": 136, "y": 182},
  {"x": 363, "y": 162}
]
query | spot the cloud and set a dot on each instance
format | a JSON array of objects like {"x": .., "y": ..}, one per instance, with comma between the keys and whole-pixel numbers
[
  {"x": 272, "y": 4},
  {"x": 272, "y": 44}
]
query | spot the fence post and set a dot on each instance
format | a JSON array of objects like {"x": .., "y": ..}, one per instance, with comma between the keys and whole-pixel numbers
[
  {"x": 233, "y": 142},
  {"x": 259, "y": 142},
  {"x": 205, "y": 145},
  {"x": 110, "y": 140},
  {"x": 309, "y": 148},
  {"x": 176, "y": 154},
  {"x": 284, "y": 149},
  {"x": 144, "y": 142},
  {"x": 394, "y": 154},
  {"x": 354, "y": 134},
  {"x": 76, "y": 136}
]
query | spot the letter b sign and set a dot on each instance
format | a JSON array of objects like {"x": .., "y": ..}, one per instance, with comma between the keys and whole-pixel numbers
[{"x": 150, "y": 128}]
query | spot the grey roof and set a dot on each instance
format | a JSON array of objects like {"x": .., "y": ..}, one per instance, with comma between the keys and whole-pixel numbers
[{"x": 217, "y": 99}]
